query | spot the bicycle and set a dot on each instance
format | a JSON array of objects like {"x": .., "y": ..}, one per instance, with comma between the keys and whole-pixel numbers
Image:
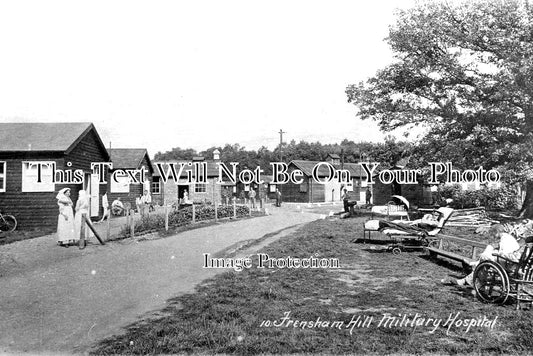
[{"x": 8, "y": 223}]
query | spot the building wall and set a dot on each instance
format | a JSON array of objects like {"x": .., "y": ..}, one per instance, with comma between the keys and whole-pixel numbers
[
  {"x": 169, "y": 192},
  {"x": 40, "y": 209},
  {"x": 317, "y": 193},
  {"x": 87, "y": 151},
  {"x": 416, "y": 194},
  {"x": 31, "y": 209},
  {"x": 159, "y": 198},
  {"x": 136, "y": 190},
  {"x": 297, "y": 193},
  {"x": 381, "y": 193},
  {"x": 212, "y": 192}
]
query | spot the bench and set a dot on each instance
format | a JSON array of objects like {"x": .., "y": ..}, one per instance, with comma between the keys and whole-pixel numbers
[{"x": 436, "y": 248}]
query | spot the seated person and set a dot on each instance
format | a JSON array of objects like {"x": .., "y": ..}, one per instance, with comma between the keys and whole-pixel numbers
[
  {"x": 429, "y": 221},
  {"x": 117, "y": 208},
  {"x": 508, "y": 248}
]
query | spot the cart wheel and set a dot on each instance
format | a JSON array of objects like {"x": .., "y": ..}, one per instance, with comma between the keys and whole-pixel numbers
[
  {"x": 491, "y": 283},
  {"x": 396, "y": 251}
]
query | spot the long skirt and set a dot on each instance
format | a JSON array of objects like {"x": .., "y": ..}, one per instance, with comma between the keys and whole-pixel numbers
[
  {"x": 65, "y": 228},
  {"x": 78, "y": 222}
]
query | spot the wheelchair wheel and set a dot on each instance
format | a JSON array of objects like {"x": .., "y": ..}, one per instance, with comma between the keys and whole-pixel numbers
[{"x": 491, "y": 283}]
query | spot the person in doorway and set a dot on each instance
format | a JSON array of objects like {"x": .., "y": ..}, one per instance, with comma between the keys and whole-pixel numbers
[
  {"x": 185, "y": 197},
  {"x": 65, "y": 219},
  {"x": 368, "y": 195}
]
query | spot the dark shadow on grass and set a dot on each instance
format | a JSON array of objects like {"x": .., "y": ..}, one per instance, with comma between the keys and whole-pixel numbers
[
  {"x": 371, "y": 241},
  {"x": 443, "y": 263}
]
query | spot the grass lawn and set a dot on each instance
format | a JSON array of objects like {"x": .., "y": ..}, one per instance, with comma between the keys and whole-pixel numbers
[{"x": 234, "y": 312}]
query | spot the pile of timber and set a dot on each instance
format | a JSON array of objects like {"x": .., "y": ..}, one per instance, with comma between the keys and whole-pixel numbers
[{"x": 474, "y": 217}]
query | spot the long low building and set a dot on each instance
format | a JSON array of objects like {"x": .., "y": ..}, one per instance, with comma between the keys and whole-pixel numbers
[
  {"x": 312, "y": 191},
  {"x": 70, "y": 146}
]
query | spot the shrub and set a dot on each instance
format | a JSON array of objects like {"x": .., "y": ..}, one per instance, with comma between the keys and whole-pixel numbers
[
  {"x": 503, "y": 198},
  {"x": 182, "y": 217}
]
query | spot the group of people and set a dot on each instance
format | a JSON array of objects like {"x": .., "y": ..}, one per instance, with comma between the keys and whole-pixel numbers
[
  {"x": 70, "y": 217},
  {"x": 144, "y": 202},
  {"x": 68, "y": 223}
]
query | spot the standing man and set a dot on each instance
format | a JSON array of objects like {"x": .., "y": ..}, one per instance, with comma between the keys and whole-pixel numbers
[
  {"x": 345, "y": 199},
  {"x": 251, "y": 195},
  {"x": 368, "y": 195},
  {"x": 278, "y": 198}
]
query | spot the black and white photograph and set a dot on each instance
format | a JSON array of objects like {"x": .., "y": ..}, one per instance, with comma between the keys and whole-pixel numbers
[{"x": 250, "y": 177}]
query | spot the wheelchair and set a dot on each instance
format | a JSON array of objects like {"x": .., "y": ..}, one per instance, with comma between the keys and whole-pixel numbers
[{"x": 496, "y": 282}]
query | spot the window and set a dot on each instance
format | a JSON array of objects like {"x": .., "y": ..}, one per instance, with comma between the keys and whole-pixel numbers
[
  {"x": 272, "y": 188},
  {"x": 2, "y": 177},
  {"x": 349, "y": 187},
  {"x": 30, "y": 177},
  {"x": 122, "y": 186},
  {"x": 303, "y": 188},
  {"x": 156, "y": 186},
  {"x": 199, "y": 188}
]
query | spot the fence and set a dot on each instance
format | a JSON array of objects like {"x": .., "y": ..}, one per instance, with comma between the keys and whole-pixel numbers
[{"x": 169, "y": 217}]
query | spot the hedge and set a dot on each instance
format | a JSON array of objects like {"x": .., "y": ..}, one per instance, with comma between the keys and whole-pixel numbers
[
  {"x": 496, "y": 199},
  {"x": 183, "y": 217}
]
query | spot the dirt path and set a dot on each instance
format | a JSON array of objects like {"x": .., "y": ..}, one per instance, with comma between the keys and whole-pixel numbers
[{"x": 63, "y": 300}]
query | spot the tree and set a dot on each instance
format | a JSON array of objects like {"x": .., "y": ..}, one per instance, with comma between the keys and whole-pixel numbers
[
  {"x": 464, "y": 74},
  {"x": 176, "y": 154}
]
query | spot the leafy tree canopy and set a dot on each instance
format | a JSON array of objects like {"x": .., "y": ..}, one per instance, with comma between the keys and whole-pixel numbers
[
  {"x": 387, "y": 153},
  {"x": 464, "y": 73}
]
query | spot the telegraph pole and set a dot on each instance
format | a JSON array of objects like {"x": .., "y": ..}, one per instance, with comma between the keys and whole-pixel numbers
[{"x": 281, "y": 144}]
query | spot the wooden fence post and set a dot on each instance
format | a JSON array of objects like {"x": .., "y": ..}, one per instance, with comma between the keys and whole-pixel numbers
[
  {"x": 82, "y": 243},
  {"x": 86, "y": 220},
  {"x": 193, "y": 214},
  {"x": 166, "y": 217},
  {"x": 132, "y": 226},
  {"x": 108, "y": 231},
  {"x": 234, "y": 210},
  {"x": 250, "y": 210},
  {"x": 216, "y": 211}
]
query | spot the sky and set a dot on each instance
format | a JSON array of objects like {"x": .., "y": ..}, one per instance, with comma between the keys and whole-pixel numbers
[{"x": 164, "y": 74}]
